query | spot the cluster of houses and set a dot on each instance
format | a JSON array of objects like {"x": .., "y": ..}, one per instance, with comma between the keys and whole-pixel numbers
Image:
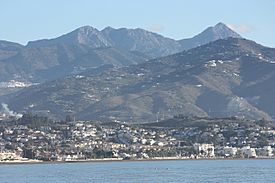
[{"x": 90, "y": 140}]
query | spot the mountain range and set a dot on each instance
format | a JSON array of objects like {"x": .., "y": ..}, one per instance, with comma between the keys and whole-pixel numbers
[
  {"x": 226, "y": 77},
  {"x": 134, "y": 75},
  {"x": 88, "y": 48}
]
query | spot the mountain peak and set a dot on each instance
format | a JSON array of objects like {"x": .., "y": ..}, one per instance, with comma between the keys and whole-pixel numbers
[
  {"x": 221, "y": 25},
  {"x": 219, "y": 31},
  {"x": 222, "y": 31},
  {"x": 86, "y": 35},
  {"x": 108, "y": 28},
  {"x": 86, "y": 29}
]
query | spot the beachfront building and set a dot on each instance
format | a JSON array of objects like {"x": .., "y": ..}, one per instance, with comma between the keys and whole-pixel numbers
[
  {"x": 229, "y": 151},
  {"x": 266, "y": 151},
  {"x": 249, "y": 152},
  {"x": 205, "y": 150}
]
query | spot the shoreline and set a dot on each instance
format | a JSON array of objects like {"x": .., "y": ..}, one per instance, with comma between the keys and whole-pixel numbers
[{"x": 33, "y": 162}]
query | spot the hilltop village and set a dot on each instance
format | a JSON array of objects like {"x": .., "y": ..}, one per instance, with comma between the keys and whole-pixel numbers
[{"x": 37, "y": 138}]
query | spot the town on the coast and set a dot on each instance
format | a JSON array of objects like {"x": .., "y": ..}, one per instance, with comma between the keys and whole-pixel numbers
[{"x": 34, "y": 138}]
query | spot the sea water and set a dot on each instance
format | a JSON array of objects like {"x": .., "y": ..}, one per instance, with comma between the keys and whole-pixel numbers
[{"x": 142, "y": 171}]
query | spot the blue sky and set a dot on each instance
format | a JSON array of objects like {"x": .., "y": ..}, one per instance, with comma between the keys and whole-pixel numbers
[{"x": 26, "y": 20}]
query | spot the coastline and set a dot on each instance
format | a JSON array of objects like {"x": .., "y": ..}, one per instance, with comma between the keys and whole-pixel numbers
[{"x": 30, "y": 162}]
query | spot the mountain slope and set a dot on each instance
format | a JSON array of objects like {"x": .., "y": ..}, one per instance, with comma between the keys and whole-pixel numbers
[
  {"x": 8, "y": 49},
  {"x": 39, "y": 64},
  {"x": 9, "y": 46},
  {"x": 217, "y": 79}
]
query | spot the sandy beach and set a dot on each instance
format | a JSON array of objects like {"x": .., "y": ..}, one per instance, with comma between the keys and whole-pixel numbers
[{"x": 16, "y": 162}]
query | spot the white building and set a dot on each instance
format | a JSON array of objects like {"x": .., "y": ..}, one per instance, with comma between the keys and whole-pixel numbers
[
  {"x": 230, "y": 151},
  {"x": 206, "y": 150},
  {"x": 249, "y": 152},
  {"x": 266, "y": 151}
]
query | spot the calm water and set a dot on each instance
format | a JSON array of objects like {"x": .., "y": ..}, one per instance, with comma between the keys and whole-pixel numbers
[{"x": 143, "y": 171}]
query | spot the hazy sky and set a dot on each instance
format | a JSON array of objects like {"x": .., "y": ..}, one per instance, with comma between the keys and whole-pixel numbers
[{"x": 25, "y": 20}]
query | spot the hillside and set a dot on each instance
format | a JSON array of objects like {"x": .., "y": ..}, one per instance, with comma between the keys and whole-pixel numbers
[{"x": 229, "y": 77}]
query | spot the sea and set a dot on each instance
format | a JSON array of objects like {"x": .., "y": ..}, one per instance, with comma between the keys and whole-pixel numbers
[{"x": 196, "y": 171}]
